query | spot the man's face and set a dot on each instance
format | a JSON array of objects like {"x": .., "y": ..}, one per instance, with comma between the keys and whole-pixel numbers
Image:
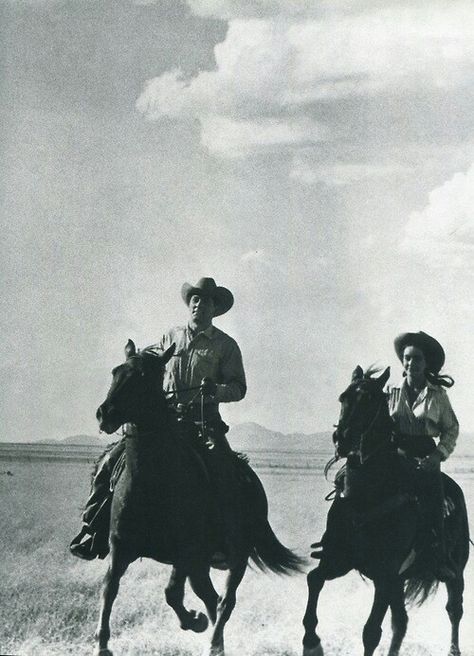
[{"x": 201, "y": 309}]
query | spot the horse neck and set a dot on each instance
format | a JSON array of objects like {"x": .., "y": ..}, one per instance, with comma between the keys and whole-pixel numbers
[
  {"x": 373, "y": 481},
  {"x": 377, "y": 437},
  {"x": 152, "y": 415},
  {"x": 376, "y": 478},
  {"x": 144, "y": 448}
]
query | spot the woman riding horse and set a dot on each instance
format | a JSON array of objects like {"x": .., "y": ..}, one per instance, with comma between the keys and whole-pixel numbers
[
  {"x": 374, "y": 524},
  {"x": 421, "y": 411}
]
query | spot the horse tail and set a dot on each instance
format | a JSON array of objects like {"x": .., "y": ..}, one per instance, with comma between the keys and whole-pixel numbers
[
  {"x": 419, "y": 587},
  {"x": 266, "y": 551},
  {"x": 269, "y": 553}
]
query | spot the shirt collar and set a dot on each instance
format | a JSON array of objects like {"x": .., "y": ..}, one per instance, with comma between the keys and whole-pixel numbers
[
  {"x": 209, "y": 332},
  {"x": 423, "y": 393}
]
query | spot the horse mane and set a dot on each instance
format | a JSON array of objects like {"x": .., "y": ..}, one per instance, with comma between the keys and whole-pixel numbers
[{"x": 371, "y": 370}]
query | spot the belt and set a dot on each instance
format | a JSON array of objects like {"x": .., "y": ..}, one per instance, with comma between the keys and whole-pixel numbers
[
  {"x": 417, "y": 446},
  {"x": 193, "y": 412}
]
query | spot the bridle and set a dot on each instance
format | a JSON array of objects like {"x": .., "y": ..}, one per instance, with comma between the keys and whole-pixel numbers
[{"x": 363, "y": 435}]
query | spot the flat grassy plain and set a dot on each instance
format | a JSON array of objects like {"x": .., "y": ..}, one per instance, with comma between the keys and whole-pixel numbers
[{"x": 49, "y": 600}]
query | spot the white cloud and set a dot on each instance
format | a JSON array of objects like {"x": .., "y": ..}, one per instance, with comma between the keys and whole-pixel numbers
[
  {"x": 229, "y": 9},
  {"x": 237, "y": 138},
  {"x": 443, "y": 231},
  {"x": 338, "y": 175},
  {"x": 271, "y": 72}
]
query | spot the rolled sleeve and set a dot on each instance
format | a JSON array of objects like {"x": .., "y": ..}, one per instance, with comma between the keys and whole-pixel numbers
[
  {"x": 449, "y": 428},
  {"x": 232, "y": 385}
]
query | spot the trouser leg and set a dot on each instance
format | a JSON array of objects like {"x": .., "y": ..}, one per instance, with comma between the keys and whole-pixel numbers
[
  {"x": 96, "y": 515},
  {"x": 100, "y": 487}
]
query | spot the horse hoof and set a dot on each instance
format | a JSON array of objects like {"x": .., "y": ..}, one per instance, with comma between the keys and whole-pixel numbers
[
  {"x": 454, "y": 651},
  {"x": 196, "y": 622},
  {"x": 313, "y": 651},
  {"x": 103, "y": 652},
  {"x": 215, "y": 651}
]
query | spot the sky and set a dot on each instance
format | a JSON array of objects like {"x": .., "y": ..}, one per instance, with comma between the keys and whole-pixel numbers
[{"x": 317, "y": 159}]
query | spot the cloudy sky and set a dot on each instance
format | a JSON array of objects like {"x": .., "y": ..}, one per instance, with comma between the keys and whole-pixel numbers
[{"x": 319, "y": 162}]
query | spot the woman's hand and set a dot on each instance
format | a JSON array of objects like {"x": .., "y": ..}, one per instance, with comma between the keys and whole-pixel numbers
[{"x": 431, "y": 462}]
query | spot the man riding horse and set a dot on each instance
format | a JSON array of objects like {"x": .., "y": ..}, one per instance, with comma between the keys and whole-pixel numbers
[{"x": 205, "y": 370}]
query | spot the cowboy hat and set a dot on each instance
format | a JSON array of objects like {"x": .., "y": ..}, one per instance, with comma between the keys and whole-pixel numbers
[
  {"x": 431, "y": 348},
  {"x": 222, "y": 297}
]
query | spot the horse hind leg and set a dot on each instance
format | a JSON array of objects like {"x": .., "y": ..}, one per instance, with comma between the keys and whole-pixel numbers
[
  {"x": 399, "y": 619},
  {"x": 117, "y": 567},
  {"x": 373, "y": 627},
  {"x": 225, "y": 606},
  {"x": 311, "y": 641},
  {"x": 454, "y": 608},
  {"x": 174, "y": 593}
]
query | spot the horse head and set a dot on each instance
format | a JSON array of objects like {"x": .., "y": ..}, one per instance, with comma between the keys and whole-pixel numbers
[
  {"x": 136, "y": 389},
  {"x": 363, "y": 417}
]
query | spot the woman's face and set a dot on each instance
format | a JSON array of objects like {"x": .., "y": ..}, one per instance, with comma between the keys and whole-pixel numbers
[{"x": 414, "y": 362}]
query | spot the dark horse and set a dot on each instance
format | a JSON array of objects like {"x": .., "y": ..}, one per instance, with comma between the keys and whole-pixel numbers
[
  {"x": 162, "y": 506},
  {"x": 375, "y": 526}
]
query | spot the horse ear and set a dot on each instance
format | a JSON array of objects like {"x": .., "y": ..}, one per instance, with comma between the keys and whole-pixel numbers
[
  {"x": 130, "y": 349},
  {"x": 384, "y": 377},
  {"x": 168, "y": 353},
  {"x": 357, "y": 374}
]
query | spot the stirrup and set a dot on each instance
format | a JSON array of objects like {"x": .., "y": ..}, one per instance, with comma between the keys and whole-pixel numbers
[{"x": 83, "y": 549}]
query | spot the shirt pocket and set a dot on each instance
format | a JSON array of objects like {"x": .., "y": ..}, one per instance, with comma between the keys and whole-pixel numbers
[{"x": 205, "y": 362}]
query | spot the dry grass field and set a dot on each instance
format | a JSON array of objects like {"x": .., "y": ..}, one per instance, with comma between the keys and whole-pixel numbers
[{"x": 49, "y": 600}]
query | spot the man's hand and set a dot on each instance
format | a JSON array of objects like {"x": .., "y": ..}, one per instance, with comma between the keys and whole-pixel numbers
[
  {"x": 431, "y": 462},
  {"x": 208, "y": 387}
]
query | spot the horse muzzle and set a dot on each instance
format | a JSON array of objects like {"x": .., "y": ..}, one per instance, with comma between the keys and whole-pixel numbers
[
  {"x": 107, "y": 421},
  {"x": 341, "y": 442}
]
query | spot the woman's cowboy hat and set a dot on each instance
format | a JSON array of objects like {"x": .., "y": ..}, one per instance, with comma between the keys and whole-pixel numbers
[
  {"x": 222, "y": 297},
  {"x": 432, "y": 349}
]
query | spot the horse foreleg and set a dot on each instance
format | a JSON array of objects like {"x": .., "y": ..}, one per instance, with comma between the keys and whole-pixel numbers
[
  {"x": 311, "y": 640},
  {"x": 454, "y": 607},
  {"x": 399, "y": 619},
  {"x": 225, "y": 606},
  {"x": 373, "y": 627},
  {"x": 117, "y": 567},
  {"x": 174, "y": 593},
  {"x": 202, "y": 586}
]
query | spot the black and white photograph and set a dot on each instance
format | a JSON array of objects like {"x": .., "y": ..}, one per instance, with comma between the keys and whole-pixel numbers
[{"x": 237, "y": 344}]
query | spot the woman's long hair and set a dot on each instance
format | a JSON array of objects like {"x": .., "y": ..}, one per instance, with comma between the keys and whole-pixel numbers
[{"x": 442, "y": 380}]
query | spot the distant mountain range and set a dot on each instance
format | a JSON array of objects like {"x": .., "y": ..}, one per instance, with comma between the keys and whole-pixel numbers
[
  {"x": 242, "y": 436},
  {"x": 252, "y": 436}
]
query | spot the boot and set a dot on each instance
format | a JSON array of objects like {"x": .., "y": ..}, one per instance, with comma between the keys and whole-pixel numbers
[
  {"x": 88, "y": 545},
  {"x": 82, "y": 548}
]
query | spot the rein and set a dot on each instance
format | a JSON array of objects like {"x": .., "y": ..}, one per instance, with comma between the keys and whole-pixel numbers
[
  {"x": 366, "y": 433},
  {"x": 185, "y": 389},
  {"x": 174, "y": 393}
]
